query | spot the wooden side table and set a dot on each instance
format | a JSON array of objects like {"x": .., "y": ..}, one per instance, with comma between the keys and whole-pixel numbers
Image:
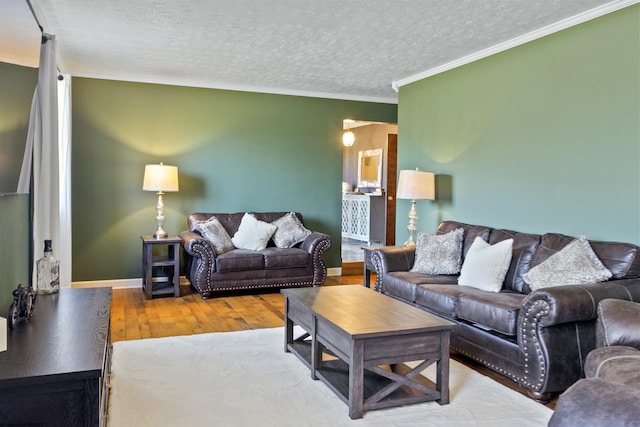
[
  {"x": 161, "y": 266},
  {"x": 368, "y": 264}
]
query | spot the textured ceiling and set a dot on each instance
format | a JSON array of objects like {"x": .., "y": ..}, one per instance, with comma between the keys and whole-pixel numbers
[{"x": 352, "y": 49}]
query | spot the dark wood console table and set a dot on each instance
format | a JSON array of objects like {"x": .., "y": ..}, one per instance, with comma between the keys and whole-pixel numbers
[{"x": 55, "y": 367}]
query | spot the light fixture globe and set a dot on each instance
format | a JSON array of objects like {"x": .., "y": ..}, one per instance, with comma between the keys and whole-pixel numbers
[{"x": 348, "y": 138}]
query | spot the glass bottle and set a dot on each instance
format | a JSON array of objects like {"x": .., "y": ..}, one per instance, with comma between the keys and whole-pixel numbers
[{"x": 48, "y": 271}]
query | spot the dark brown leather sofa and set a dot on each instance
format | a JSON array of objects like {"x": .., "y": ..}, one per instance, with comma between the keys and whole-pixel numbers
[
  {"x": 610, "y": 393},
  {"x": 301, "y": 265},
  {"x": 539, "y": 339}
]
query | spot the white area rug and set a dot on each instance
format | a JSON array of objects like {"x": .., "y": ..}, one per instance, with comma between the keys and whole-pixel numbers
[{"x": 246, "y": 379}]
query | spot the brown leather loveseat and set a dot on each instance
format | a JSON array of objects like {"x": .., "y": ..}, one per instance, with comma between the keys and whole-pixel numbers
[
  {"x": 538, "y": 338},
  {"x": 212, "y": 270}
]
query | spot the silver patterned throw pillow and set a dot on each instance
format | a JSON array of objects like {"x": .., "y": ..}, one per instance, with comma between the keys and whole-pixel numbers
[
  {"x": 439, "y": 254},
  {"x": 290, "y": 231},
  {"x": 575, "y": 264},
  {"x": 214, "y": 232}
]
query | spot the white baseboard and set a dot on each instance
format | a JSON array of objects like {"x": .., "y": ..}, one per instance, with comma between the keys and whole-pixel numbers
[
  {"x": 334, "y": 271},
  {"x": 115, "y": 284},
  {"x": 137, "y": 283}
]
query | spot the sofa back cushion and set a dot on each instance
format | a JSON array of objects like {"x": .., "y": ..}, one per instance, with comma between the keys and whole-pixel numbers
[
  {"x": 524, "y": 248},
  {"x": 622, "y": 259},
  {"x": 470, "y": 233}
]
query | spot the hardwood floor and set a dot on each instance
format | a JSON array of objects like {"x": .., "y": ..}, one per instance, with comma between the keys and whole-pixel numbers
[{"x": 135, "y": 317}]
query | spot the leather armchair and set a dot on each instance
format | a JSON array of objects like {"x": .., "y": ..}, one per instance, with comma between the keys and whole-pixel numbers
[{"x": 610, "y": 393}]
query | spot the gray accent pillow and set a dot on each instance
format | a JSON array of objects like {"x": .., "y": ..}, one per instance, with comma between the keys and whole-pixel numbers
[
  {"x": 290, "y": 231},
  {"x": 214, "y": 232},
  {"x": 439, "y": 254},
  {"x": 575, "y": 264}
]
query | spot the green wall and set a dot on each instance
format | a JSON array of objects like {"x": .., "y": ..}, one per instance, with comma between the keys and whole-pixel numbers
[
  {"x": 14, "y": 252},
  {"x": 17, "y": 84},
  {"x": 236, "y": 152},
  {"x": 543, "y": 137}
]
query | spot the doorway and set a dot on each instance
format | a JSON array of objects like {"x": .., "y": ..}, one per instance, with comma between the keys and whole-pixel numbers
[{"x": 368, "y": 205}]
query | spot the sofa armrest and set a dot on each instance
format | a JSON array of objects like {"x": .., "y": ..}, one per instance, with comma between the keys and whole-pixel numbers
[
  {"x": 391, "y": 258},
  {"x": 556, "y": 329},
  {"x": 575, "y": 303},
  {"x": 618, "y": 323},
  {"x": 200, "y": 259},
  {"x": 317, "y": 244},
  {"x": 190, "y": 240}
]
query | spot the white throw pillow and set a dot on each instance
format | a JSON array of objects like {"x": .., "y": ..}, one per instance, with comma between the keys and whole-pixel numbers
[
  {"x": 439, "y": 254},
  {"x": 485, "y": 265},
  {"x": 214, "y": 232},
  {"x": 290, "y": 231},
  {"x": 253, "y": 234},
  {"x": 575, "y": 264}
]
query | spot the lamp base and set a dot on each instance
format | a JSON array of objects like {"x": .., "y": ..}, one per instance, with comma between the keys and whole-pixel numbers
[
  {"x": 410, "y": 242},
  {"x": 412, "y": 228},
  {"x": 160, "y": 233}
]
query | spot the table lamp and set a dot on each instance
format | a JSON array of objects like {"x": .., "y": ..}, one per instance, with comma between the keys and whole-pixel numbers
[
  {"x": 415, "y": 185},
  {"x": 160, "y": 178}
]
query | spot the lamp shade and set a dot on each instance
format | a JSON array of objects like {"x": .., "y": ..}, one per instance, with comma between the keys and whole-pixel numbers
[
  {"x": 160, "y": 178},
  {"x": 416, "y": 185}
]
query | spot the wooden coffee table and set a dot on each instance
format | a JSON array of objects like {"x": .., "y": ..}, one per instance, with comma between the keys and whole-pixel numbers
[{"x": 356, "y": 341}]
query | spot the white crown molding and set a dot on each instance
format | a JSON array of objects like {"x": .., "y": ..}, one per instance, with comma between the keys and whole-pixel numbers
[
  {"x": 520, "y": 40},
  {"x": 18, "y": 61},
  {"x": 238, "y": 88}
]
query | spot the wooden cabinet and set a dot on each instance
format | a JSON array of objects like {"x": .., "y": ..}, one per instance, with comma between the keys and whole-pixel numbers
[
  {"x": 55, "y": 370},
  {"x": 363, "y": 217},
  {"x": 160, "y": 266}
]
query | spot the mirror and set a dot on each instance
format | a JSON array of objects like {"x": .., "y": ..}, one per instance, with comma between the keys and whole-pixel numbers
[{"x": 370, "y": 168}]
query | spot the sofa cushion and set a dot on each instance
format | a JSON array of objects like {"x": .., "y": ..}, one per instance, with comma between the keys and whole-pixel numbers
[
  {"x": 575, "y": 264},
  {"x": 289, "y": 232},
  {"x": 597, "y": 403},
  {"x": 285, "y": 258},
  {"x": 497, "y": 311},
  {"x": 440, "y": 298},
  {"x": 618, "y": 364},
  {"x": 213, "y": 231},
  {"x": 401, "y": 284},
  {"x": 618, "y": 323},
  {"x": 470, "y": 233},
  {"x": 252, "y": 233},
  {"x": 239, "y": 259},
  {"x": 524, "y": 248},
  {"x": 485, "y": 265},
  {"x": 439, "y": 254},
  {"x": 622, "y": 259}
]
